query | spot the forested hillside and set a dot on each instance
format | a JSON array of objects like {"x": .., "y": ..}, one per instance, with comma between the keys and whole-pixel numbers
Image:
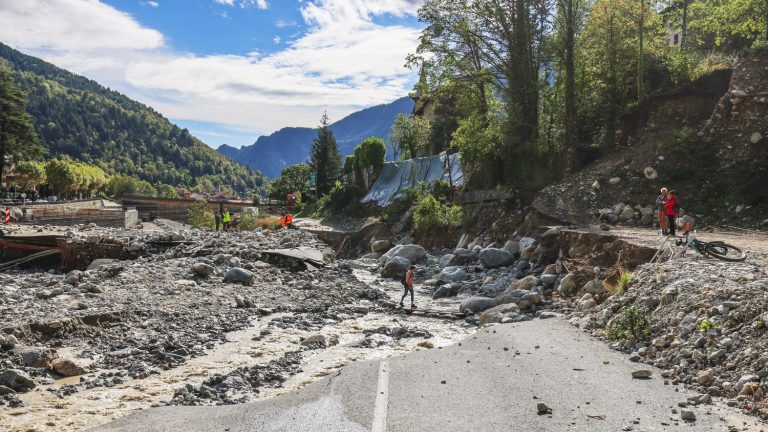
[
  {"x": 288, "y": 146},
  {"x": 77, "y": 117},
  {"x": 531, "y": 90}
]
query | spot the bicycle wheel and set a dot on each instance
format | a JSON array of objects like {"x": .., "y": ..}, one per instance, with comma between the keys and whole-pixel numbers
[{"x": 725, "y": 252}]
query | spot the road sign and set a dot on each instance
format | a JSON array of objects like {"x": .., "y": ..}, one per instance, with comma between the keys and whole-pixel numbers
[{"x": 312, "y": 180}]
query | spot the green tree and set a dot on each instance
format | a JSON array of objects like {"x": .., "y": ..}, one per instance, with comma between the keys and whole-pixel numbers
[
  {"x": 325, "y": 158},
  {"x": 62, "y": 176},
  {"x": 410, "y": 137},
  {"x": 200, "y": 215},
  {"x": 734, "y": 23},
  {"x": 293, "y": 178},
  {"x": 29, "y": 175},
  {"x": 167, "y": 191},
  {"x": 608, "y": 57},
  {"x": 368, "y": 159},
  {"x": 568, "y": 23},
  {"x": 118, "y": 186},
  {"x": 17, "y": 134}
]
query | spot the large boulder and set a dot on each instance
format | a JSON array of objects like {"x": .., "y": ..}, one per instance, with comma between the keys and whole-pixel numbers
[
  {"x": 497, "y": 313},
  {"x": 395, "y": 267},
  {"x": 16, "y": 380},
  {"x": 510, "y": 296},
  {"x": 527, "y": 283},
  {"x": 513, "y": 247},
  {"x": 411, "y": 252},
  {"x": 627, "y": 214},
  {"x": 8, "y": 341},
  {"x": 381, "y": 246},
  {"x": 445, "y": 291},
  {"x": 36, "y": 357},
  {"x": 239, "y": 275},
  {"x": 462, "y": 257},
  {"x": 567, "y": 285},
  {"x": 452, "y": 274},
  {"x": 445, "y": 260},
  {"x": 492, "y": 257},
  {"x": 202, "y": 269},
  {"x": 476, "y": 304},
  {"x": 594, "y": 287},
  {"x": 497, "y": 286},
  {"x": 67, "y": 368}
]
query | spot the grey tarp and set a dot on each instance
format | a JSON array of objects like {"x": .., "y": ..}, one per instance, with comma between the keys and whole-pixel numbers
[{"x": 399, "y": 176}]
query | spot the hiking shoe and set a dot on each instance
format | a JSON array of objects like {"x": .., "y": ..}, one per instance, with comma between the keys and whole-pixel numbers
[{"x": 413, "y": 306}]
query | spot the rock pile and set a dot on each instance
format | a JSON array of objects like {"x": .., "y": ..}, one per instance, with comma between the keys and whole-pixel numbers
[{"x": 708, "y": 327}]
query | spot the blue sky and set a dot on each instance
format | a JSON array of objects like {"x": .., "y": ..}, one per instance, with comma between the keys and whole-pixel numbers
[{"x": 228, "y": 70}]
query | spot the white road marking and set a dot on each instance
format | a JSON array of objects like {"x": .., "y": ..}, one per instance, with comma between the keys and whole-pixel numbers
[{"x": 382, "y": 399}]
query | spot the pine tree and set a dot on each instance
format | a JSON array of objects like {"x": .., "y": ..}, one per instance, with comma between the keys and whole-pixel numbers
[
  {"x": 17, "y": 135},
  {"x": 324, "y": 157}
]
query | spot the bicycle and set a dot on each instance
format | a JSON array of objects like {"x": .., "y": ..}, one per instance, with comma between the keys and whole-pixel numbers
[{"x": 716, "y": 249}]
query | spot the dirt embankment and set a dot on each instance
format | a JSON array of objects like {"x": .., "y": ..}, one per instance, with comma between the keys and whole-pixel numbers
[{"x": 705, "y": 140}]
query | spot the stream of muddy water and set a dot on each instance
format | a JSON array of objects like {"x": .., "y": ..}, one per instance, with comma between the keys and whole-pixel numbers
[{"x": 45, "y": 411}]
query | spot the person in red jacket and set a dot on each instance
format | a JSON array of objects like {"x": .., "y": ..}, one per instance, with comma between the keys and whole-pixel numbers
[{"x": 671, "y": 207}]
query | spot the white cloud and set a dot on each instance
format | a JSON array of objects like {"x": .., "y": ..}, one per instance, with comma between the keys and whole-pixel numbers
[
  {"x": 276, "y": 40},
  {"x": 151, "y": 3},
  {"x": 69, "y": 25},
  {"x": 344, "y": 61},
  {"x": 284, "y": 23},
  {"x": 261, "y": 4}
]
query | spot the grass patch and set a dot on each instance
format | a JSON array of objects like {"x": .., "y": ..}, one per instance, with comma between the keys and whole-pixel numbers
[
  {"x": 625, "y": 278},
  {"x": 250, "y": 223}
]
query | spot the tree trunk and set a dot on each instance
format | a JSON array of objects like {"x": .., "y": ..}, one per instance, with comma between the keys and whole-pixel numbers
[
  {"x": 610, "y": 133},
  {"x": 569, "y": 10},
  {"x": 684, "y": 30},
  {"x": 641, "y": 51}
]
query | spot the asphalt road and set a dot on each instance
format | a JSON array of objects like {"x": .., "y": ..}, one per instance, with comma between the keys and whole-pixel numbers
[{"x": 490, "y": 382}]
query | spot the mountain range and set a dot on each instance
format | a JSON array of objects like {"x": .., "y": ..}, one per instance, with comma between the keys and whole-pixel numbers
[
  {"x": 79, "y": 118},
  {"x": 291, "y": 145}
]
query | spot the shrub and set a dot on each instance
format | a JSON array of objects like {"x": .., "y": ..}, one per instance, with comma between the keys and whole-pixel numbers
[
  {"x": 634, "y": 324},
  {"x": 430, "y": 215},
  {"x": 441, "y": 189},
  {"x": 707, "y": 324},
  {"x": 249, "y": 222},
  {"x": 681, "y": 65},
  {"x": 200, "y": 215},
  {"x": 342, "y": 195}
]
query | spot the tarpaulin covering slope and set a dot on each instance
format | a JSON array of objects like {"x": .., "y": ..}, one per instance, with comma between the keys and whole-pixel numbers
[{"x": 399, "y": 176}]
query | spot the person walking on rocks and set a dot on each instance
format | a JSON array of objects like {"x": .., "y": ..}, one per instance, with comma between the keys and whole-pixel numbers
[
  {"x": 217, "y": 218},
  {"x": 662, "y": 211},
  {"x": 670, "y": 205},
  {"x": 408, "y": 285}
]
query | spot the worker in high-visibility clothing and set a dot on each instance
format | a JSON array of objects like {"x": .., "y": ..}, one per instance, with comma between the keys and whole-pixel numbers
[
  {"x": 289, "y": 219},
  {"x": 226, "y": 218}
]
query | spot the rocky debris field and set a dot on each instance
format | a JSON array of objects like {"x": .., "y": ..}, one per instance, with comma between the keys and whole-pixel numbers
[
  {"x": 136, "y": 318},
  {"x": 702, "y": 321},
  {"x": 503, "y": 282}
]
